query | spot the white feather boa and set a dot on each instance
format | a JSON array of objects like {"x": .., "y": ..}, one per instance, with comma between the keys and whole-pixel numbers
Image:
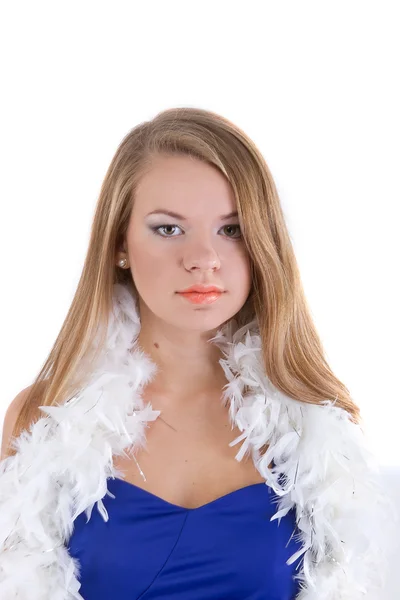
[{"x": 62, "y": 465}]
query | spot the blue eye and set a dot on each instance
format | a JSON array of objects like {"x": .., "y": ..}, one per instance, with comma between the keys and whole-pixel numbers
[{"x": 157, "y": 227}]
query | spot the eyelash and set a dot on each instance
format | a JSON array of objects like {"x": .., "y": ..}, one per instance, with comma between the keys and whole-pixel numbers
[{"x": 157, "y": 227}]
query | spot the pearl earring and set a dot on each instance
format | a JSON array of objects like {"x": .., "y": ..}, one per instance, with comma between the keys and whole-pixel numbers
[{"x": 122, "y": 263}]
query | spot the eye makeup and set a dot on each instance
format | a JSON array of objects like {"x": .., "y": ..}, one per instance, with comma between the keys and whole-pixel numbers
[{"x": 155, "y": 230}]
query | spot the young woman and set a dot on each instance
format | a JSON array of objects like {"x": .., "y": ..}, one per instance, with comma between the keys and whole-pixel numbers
[{"x": 189, "y": 333}]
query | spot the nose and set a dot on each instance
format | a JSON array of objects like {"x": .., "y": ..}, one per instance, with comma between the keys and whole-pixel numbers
[{"x": 201, "y": 257}]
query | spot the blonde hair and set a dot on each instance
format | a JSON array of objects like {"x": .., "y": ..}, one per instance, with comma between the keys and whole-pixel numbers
[{"x": 292, "y": 351}]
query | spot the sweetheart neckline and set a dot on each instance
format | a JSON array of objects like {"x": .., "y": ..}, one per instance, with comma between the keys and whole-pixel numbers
[{"x": 185, "y": 508}]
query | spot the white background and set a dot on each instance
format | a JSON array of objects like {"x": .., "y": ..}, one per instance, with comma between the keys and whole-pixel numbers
[{"x": 314, "y": 84}]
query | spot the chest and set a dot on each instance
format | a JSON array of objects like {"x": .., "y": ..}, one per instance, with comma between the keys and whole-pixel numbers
[{"x": 187, "y": 459}]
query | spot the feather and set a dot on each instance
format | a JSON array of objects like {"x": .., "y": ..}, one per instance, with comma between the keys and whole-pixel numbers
[{"x": 321, "y": 466}]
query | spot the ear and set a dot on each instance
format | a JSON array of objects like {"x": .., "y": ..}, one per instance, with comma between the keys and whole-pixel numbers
[{"x": 121, "y": 244}]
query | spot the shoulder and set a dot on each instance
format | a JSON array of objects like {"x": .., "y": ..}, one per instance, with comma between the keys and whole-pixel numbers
[{"x": 11, "y": 417}]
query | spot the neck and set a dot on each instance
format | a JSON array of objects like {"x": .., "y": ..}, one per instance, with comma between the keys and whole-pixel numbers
[{"x": 184, "y": 371}]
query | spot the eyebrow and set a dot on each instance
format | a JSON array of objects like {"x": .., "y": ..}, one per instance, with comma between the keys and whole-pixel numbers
[{"x": 175, "y": 215}]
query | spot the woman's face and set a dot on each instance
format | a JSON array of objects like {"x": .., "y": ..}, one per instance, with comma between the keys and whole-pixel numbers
[{"x": 168, "y": 254}]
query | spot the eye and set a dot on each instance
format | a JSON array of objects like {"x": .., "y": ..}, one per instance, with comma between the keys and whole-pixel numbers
[
  {"x": 166, "y": 227},
  {"x": 233, "y": 227},
  {"x": 156, "y": 232}
]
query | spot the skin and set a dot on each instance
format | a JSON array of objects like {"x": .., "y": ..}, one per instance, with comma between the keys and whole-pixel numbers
[{"x": 203, "y": 248}]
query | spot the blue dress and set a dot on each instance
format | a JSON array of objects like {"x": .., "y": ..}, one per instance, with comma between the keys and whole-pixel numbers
[{"x": 150, "y": 548}]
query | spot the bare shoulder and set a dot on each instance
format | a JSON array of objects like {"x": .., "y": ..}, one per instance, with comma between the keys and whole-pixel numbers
[{"x": 11, "y": 417}]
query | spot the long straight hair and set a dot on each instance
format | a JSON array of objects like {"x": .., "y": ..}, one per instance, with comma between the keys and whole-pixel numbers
[{"x": 292, "y": 352}]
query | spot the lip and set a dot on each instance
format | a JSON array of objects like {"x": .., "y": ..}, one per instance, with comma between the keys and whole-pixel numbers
[
  {"x": 201, "y": 297},
  {"x": 201, "y": 289}
]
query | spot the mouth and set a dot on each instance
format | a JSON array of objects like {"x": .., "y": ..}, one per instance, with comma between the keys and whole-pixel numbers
[
  {"x": 202, "y": 289},
  {"x": 201, "y": 297}
]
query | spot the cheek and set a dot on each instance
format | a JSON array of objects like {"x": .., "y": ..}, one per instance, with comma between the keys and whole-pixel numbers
[
  {"x": 149, "y": 264},
  {"x": 237, "y": 273}
]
